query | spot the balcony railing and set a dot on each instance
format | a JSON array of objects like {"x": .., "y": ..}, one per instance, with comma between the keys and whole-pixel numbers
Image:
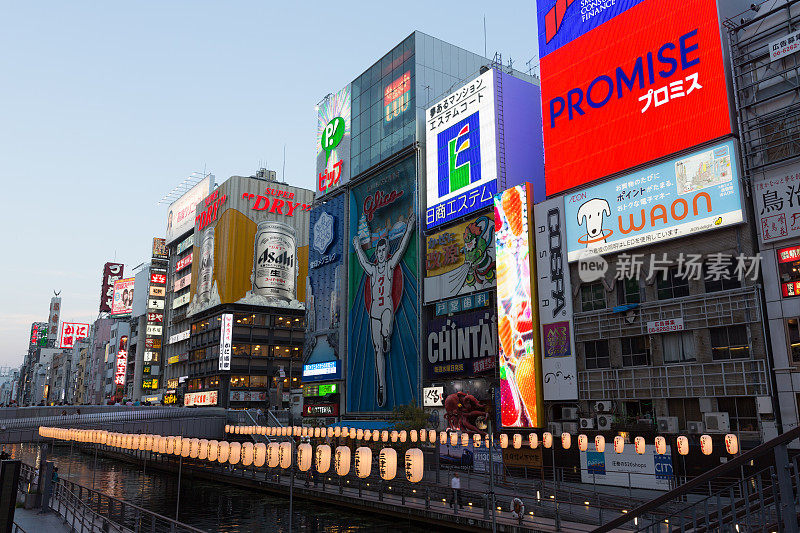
[
  {"x": 708, "y": 310},
  {"x": 744, "y": 377}
]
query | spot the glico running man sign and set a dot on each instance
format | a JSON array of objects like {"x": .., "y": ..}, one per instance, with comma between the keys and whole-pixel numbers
[{"x": 627, "y": 82}]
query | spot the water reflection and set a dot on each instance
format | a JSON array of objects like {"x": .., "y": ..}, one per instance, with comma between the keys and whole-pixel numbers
[{"x": 206, "y": 505}]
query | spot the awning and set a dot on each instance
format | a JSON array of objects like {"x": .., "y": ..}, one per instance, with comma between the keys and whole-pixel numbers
[{"x": 364, "y": 424}]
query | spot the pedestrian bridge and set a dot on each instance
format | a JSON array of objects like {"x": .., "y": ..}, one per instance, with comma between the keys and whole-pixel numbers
[{"x": 22, "y": 424}]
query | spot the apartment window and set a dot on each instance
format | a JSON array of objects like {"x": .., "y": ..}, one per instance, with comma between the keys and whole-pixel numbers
[
  {"x": 741, "y": 412},
  {"x": 728, "y": 278},
  {"x": 628, "y": 291},
  {"x": 729, "y": 342},
  {"x": 793, "y": 332},
  {"x": 593, "y": 296},
  {"x": 672, "y": 285},
  {"x": 678, "y": 347},
  {"x": 635, "y": 351},
  {"x": 596, "y": 354}
]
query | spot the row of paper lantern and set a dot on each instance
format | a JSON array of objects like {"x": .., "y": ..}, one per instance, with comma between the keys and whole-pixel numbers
[
  {"x": 273, "y": 454},
  {"x": 456, "y": 437}
]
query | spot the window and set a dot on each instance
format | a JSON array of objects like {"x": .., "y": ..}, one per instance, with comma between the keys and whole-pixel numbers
[
  {"x": 793, "y": 333},
  {"x": 721, "y": 284},
  {"x": 257, "y": 350},
  {"x": 258, "y": 382},
  {"x": 286, "y": 351},
  {"x": 673, "y": 286},
  {"x": 593, "y": 296},
  {"x": 240, "y": 382},
  {"x": 635, "y": 351},
  {"x": 741, "y": 411},
  {"x": 628, "y": 291},
  {"x": 678, "y": 347},
  {"x": 596, "y": 354},
  {"x": 241, "y": 350},
  {"x": 729, "y": 342}
]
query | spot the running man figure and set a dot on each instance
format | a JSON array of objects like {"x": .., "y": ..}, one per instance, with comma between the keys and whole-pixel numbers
[{"x": 381, "y": 309}]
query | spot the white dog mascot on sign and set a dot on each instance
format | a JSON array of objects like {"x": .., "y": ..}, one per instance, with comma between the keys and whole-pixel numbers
[{"x": 591, "y": 213}]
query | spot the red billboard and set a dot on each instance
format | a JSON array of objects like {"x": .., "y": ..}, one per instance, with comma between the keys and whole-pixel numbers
[
  {"x": 71, "y": 332},
  {"x": 111, "y": 273},
  {"x": 643, "y": 84}
]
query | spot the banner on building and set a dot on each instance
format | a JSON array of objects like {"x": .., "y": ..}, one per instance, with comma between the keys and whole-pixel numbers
[
  {"x": 383, "y": 359},
  {"x": 333, "y": 142},
  {"x": 646, "y": 471},
  {"x": 111, "y": 273},
  {"x": 71, "y": 332},
  {"x": 180, "y": 217},
  {"x": 683, "y": 196},
  {"x": 777, "y": 204},
  {"x": 559, "y": 370},
  {"x": 460, "y": 259},
  {"x": 225, "y": 341},
  {"x": 123, "y": 297}
]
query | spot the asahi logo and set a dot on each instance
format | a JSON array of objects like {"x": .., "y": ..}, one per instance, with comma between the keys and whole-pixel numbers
[
  {"x": 556, "y": 259},
  {"x": 276, "y": 257}
]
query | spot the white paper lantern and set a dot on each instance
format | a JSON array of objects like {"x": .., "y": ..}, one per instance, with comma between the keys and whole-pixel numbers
[
  {"x": 162, "y": 444},
  {"x": 359, "y": 434},
  {"x": 533, "y": 440},
  {"x": 330, "y": 433},
  {"x": 341, "y": 460},
  {"x": 213, "y": 450},
  {"x": 273, "y": 455},
  {"x": 322, "y": 458},
  {"x": 600, "y": 443},
  {"x": 304, "y": 456},
  {"x": 517, "y": 441},
  {"x": 337, "y": 431},
  {"x": 403, "y": 435},
  {"x": 453, "y": 438},
  {"x": 224, "y": 451},
  {"x": 235, "y": 453},
  {"x": 583, "y": 442},
  {"x": 413, "y": 435},
  {"x": 194, "y": 448},
  {"x": 259, "y": 454},
  {"x": 683, "y": 445},
  {"x": 285, "y": 454},
  {"x": 248, "y": 453},
  {"x": 731, "y": 444},
  {"x": 202, "y": 449},
  {"x": 186, "y": 446},
  {"x": 661, "y": 445},
  {"x": 476, "y": 440},
  {"x": 706, "y": 445},
  {"x": 317, "y": 432},
  {"x": 503, "y": 441},
  {"x": 393, "y": 435},
  {"x": 432, "y": 436},
  {"x": 619, "y": 444},
  {"x": 547, "y": 439},
  {"x": 465, "y": 439},
  {"x": 387, "y": 462},
  {"x": 639, "y": 445},
  {"x": 414, "y": 465},
  {"x": 566, "y": 440},
  {"x": 363, "y": 462}
]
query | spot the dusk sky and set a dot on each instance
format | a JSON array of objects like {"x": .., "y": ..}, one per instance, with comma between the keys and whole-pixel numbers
[{"x": 105, "y": 107}]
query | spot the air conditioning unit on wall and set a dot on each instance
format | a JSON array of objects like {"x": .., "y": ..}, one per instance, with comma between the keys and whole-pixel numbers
[
  {"x": 695, "y": 427},
  {"x": 668, "y": 424},
  {"x": 604, "y": 406},
  {"x": 604, "y": 422},
  {"x": 569, "y": 413},
  {"x": 717, "y": 422},
  {"x": 587, "y": 423}
]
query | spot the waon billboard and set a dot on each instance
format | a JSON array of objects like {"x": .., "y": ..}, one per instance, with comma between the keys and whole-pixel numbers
[{"x": 627, "y": 83}]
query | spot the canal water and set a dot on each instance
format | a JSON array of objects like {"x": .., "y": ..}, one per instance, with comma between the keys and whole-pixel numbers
[{"x": 207, "y": 505}]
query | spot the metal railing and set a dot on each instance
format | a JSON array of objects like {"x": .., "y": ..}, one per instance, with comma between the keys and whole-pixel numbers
[
  {"x": 87, "y": 510},
  {"x": 764, "y": 496}
]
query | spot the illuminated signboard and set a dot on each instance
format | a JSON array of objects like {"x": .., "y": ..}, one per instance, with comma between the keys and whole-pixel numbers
[
  {"x": 159, "y": 248},
  {"x": 153, "y": 329},
  {"x": 183, "y": 263},
  {"x": 181, "y": 300},
  {"x": 320, "y": 390},
  {"x": 627, "y": 83},
  {"x": 155, "y": 318},
  {"x": 182, "y": 283},
  {"x": 71, "y": 332},
  {"x": 789, "y": 254},
  {"x": 329, "y": 370},
  {"x": 39, "y": 334},
  {"x": 157, "y": 291},
  {"x": 184, "y": 244},
  {"x": 691, "y": 194},
  {"x": 200, "y": 398},
  {"x": 123, "y": 297},
  {"x": 180, "y": 217},
  {"x": 396, "y": 97},
  {"x": 521, "y": 393},
  {"x": 174, "y": 359},
  {"x": 122, "y": 362},
  {"x": 156, "y": 278},
  {"x": 321, "y": 409},
  {"x": 181, "y": 336},
  {"x": 153, "y": 303},
  {"x": 211, "y": 210},
  {"x": 460, "y": 133},
  {"x": 172, "y": 383},
  {"x": 111, "y": 273},
  {"x": 170, "y": 397},
  {"x": 150, "y": 383},
  {"x": 333, "y": 141},
  {"x": 225, "y": 341},
  {"x": 273, "y": 201}
]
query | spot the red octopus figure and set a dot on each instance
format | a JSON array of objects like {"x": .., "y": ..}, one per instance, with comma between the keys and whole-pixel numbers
[{"x": 462, "y": 412}]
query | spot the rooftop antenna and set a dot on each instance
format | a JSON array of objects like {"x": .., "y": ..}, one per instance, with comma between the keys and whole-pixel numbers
[
  {"x": 283, "y": 171},
  {"x": 484, "y": 37}
]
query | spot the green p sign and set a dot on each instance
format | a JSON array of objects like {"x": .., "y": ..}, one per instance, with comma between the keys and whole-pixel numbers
[{"x": 332, "y": 136}]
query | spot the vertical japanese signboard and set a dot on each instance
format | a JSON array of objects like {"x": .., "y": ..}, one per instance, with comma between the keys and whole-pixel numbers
[
  {"x": 111, "y": 273},
  {"x": 52, "y": 321},
  {"x": 121, "y": 367},
  {"x": 225, "y": 341},
  {"x": 333, "y": 142},
  {"x": 777, "y": 204},
  {"x": 559, "y": 371},
  {"x": 521, "y": 394}
]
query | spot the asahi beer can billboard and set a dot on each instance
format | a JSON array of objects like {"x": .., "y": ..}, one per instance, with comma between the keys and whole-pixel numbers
[
  {"x": 275, "y": 260},
  {"x": 206, "y": 265}
]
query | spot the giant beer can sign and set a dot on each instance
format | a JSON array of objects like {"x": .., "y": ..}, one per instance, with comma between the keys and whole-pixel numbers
[{"x": 275, "y": 261}]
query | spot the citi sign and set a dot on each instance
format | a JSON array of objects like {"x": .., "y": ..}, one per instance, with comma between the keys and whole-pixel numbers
[{"x": 646, "y": 70}]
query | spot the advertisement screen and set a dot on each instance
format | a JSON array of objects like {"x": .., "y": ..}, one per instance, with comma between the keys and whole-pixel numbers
[
  {"x": 461, "y": 345},
  {"x": 251, "y": 245},
  {"x": 71, "y": 332},
  {"x": 559, "y": 370},
  {"x": 383, "y": 361},
  {"x": 123, "y": 297},
  {"x": 627, "y": 82},
  {"x": 325, "y": 286},
  {"x": 460, "y": 133},
  {"x": 686, "y": 195},
  {"x": 180, "y": 217},
  {"x": 111, "y": 273},
  {"x": 333, "y": 142},
  {"x": 521, "y": 394},
  {"x": 460, "y": 260}
]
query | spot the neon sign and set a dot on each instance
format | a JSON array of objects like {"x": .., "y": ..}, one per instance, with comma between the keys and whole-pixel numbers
[{"x": 396, "y": 96}]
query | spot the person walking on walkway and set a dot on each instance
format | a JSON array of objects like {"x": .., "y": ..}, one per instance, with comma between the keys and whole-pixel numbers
[{"x": 455, "y": 485}]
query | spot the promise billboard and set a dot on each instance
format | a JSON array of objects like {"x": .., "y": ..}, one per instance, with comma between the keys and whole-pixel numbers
[{"x": 626, "y": 84}]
